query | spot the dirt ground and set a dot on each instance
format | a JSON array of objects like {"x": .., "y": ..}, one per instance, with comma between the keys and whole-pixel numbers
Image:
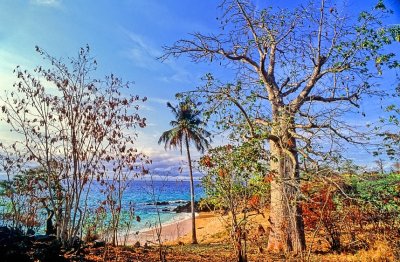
[{"x": 215, "y": 246}]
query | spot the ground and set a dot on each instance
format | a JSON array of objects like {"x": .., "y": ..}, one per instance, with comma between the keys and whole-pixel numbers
[{"x": 214, "y": 246}]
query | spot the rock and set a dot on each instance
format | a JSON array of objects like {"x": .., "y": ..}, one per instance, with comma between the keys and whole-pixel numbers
[
  {"x": 44, "y": 238},
  {"x": 15, "y": 246},
  {"x": 4, "y": 230},
  {"x": 186, "y": 208},
  {"x": 99, "y": 243},
  {"x": 10, "y": 231},
  {"x": 76, "y": 243},
  {"x": 159, "y": 203},
  {"x": 30, "y": 232},
  {"x": 49, "y": 250}
]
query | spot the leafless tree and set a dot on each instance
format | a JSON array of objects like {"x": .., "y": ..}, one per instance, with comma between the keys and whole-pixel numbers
[{"x": 381, "y": 165}]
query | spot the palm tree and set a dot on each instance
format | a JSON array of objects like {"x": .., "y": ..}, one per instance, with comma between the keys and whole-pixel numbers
[{"x": 187, "y": 127}]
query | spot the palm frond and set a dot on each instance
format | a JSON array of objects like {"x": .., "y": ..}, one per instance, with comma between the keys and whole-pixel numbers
[
  {"x": 173, "y": 109},
  {"x": 187, "y": 122}
]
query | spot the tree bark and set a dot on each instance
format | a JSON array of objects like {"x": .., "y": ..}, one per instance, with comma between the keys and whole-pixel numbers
[
  {"x": 194, "y": 238},
  {"x": 287, "y": 226}
]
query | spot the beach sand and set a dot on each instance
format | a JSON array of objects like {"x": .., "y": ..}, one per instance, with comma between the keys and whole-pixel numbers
[
  {"x": 210, "y": 228},
  {"x": 207, "y": 225},
  {"x": 169, "y": 232}
]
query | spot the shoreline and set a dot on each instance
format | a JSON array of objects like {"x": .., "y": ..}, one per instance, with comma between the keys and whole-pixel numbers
[
  {"x": 170, "y": 231},
  {"x": 210, "y": 228}
]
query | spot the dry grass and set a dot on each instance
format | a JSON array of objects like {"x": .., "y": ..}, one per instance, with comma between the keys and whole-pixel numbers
[
  {"x": 215, "y": 246},
  {"x": 380, "y": 251},
  {"x": 222, "y": 252}
]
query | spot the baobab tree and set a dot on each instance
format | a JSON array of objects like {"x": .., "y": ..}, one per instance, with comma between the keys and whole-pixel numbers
[{"x": 298, "y": 72}]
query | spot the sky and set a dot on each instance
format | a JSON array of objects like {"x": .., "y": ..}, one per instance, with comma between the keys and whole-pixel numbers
[{"x": 126, "y": 37}]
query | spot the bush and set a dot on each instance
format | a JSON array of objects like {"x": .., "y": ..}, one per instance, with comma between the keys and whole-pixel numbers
[{"x": 234, "y": 183}]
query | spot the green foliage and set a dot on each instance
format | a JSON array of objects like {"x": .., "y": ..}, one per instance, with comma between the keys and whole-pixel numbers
[
  {"x": 389, "y": 131},
  {"x": 6, "y": 188},
  {"x": 234, "y": 175},
  {"x": 234, "y": 182},
  {"x": 381, "y": 192},
  {"x": 352, "y": 209},
  {"x": 187, "y": 126},
  {"x": 23, "y": 198},
  {"x": 395, "y": 32},
  {"x": 298, "y": 73}
]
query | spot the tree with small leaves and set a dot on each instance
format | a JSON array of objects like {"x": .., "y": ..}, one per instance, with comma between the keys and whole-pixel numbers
[
  {"x": 74, "y": 127},
  {"x": 234, "y": 183}
]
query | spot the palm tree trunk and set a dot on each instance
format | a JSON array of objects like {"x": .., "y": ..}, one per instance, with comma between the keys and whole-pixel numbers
[{"x": 194, "y": 238}]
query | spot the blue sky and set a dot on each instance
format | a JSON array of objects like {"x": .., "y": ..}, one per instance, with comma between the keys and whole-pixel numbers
[{"x": 126, "y": 37}]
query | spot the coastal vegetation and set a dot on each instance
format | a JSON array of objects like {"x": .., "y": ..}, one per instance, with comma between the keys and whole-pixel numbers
[
  {"x": 234, "y": 182},
  {"x": 277, "y": 185}
]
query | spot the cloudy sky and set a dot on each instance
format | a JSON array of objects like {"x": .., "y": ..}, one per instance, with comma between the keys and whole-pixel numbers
[{"x": 126, "y": 37}]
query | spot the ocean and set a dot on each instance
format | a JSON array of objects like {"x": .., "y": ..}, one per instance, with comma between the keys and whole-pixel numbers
[{"x": 143, "y": 195}]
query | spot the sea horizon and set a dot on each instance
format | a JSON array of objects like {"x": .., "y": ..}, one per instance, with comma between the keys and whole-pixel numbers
[{"x": 149, "y": 198}]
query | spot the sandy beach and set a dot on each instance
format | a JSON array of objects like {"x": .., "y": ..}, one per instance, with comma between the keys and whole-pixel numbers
[
  {"x": 207, "y": 225},
  {"x": 210, "y": 228},
  {"x": 167, "y": 232}
]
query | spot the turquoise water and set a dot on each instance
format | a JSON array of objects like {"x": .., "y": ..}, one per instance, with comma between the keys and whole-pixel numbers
[{"x": 143, "y": 194}]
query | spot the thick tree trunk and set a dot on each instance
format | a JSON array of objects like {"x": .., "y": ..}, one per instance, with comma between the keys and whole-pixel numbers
[
  {"x": 287, "y": 227},
  {"x": 194, "y": 238}
]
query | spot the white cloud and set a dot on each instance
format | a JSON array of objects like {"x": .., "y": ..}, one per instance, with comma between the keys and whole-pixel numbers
[
  {"x": 170, "y": 163},
  {"x": 145, "y": 107},
  {"x": 157, "y": 100},
  {"x": 180, "y": 77},
  {"x": 52, "y": 3},
  {"x": 143, "y": 53},
  {"x": 10, "y": 60},
  {"x": 179, "y": 74}
]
